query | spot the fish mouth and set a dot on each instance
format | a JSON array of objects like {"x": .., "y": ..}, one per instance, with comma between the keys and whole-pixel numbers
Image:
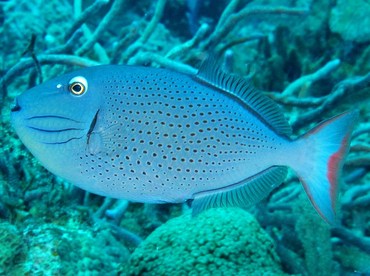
[{"x": 16, "y": 106}]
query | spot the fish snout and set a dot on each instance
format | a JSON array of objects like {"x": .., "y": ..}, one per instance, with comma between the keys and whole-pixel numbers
[{"x": 16, "y": 107}]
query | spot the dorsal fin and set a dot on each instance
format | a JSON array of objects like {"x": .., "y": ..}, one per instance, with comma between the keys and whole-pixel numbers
[{"x": 267, "y": 109}]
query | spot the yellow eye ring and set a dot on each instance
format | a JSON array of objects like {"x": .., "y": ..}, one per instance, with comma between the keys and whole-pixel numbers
[{"x": 78, "y": 86}]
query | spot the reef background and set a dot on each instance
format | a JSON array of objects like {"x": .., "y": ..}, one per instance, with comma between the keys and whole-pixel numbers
[{"x": 312, "y": 57}]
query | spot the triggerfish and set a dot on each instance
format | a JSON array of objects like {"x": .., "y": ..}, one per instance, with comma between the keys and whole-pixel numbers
[{"x": 158, "y": 136}]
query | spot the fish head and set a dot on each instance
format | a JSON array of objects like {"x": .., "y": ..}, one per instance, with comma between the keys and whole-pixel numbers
[{"x": 54, "y": 119}]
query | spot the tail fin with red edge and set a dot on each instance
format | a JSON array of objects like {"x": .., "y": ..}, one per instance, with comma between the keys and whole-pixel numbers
[{"x": 322, "y": 152}]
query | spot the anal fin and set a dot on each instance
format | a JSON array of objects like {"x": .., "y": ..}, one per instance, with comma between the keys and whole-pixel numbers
[{"x": 245, "y": 193}]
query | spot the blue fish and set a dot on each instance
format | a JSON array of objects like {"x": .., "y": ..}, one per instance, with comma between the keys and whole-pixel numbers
[{"x": 158, "y": 136}]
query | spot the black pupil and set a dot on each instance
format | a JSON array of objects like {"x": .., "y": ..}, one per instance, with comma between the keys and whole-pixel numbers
[{"x": 77, "y": 87}]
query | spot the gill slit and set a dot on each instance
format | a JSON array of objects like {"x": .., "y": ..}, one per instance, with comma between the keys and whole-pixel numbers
[{"x": 92, "y": 126}]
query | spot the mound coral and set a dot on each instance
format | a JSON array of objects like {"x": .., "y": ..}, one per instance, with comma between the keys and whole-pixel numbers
[{"x": 217, "y": 242}]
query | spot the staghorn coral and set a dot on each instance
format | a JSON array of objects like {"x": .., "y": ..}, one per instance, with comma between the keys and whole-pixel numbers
[{"x": 218, "y": 241}]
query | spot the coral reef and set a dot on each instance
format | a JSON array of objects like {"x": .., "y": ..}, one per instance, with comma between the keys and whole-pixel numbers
[
  {"x": 349, "y": 27},
  {"x": 58, "y": 250},
  {"x": 228, "y": 241},
  {"x": 11, "y": 247},
  {"x": 315, "y": 237},
  {"x": 312, "y": 57}
]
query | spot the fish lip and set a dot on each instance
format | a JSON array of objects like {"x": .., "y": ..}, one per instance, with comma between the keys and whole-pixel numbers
[{"x": 16, "y": 106}]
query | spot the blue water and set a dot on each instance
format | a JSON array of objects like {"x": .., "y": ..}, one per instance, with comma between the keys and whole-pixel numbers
[{"x": 311, "y": 57}]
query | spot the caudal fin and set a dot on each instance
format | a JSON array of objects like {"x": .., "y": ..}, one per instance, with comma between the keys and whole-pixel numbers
[{"x": 322, "y": 151}]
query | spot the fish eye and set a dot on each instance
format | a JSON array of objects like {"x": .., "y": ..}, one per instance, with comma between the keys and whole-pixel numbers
[{"x": 78, "y": 85}]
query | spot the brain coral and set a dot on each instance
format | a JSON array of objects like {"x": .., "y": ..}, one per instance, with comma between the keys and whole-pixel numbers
[{"x": 217, "y": 242}]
